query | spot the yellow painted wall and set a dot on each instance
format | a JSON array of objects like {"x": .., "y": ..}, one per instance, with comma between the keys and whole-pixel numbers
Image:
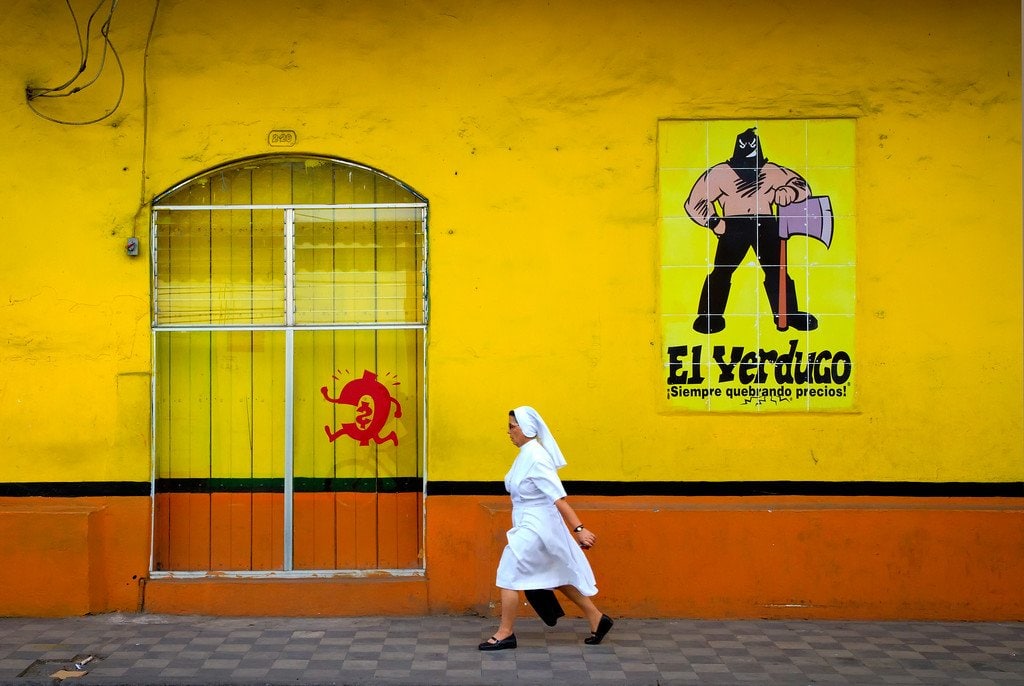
[{"x": 531, "y": 128}]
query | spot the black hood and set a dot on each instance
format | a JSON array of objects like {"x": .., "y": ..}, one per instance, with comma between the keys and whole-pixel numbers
[{"x": 747, "y": 156}]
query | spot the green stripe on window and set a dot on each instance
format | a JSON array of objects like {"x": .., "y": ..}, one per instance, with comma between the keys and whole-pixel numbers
[{"x": 404, "y": 484}]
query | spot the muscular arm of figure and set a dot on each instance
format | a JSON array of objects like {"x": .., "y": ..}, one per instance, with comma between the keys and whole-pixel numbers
[
  {"x": 710, "y": 188},
  {"x": 783, "y": 186}
]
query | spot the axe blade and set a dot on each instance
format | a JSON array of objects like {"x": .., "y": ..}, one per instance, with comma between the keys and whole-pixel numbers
[{"x": 811, "y": 217}]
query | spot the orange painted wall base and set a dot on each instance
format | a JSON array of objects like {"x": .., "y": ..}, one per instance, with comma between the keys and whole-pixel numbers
[
  {"x": 763, "y": 557},
  {"x": 752, "y": 557},
  {"x": 72, "y": 556},
  {"x": 288, "y": 597}
]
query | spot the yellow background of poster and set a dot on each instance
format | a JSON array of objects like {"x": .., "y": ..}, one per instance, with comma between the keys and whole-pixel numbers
[{"x": 822, "y": 152}]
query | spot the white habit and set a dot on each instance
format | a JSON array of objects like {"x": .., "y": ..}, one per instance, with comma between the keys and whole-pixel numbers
[{"x": 541, "y": 552}]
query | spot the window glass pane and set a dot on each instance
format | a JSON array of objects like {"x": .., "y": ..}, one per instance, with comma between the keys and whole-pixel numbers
[
  {"x": 358, "y": 480},
  {"x": 219, "y": 450},
  {"x": 359, "y": 265},
  {"x": 219, "y": 267},
  {"x": 220, "y": 261},
  {"x": 287, "y": 180}
]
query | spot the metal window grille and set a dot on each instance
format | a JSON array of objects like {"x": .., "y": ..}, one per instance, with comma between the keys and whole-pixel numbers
[{"x": 266, "y": 313}]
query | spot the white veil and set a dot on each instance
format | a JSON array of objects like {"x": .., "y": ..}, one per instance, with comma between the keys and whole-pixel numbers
[{"x": 533, "y": 426}]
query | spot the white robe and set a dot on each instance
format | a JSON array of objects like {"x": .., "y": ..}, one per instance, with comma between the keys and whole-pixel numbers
[{"x": 541, "y": 552}]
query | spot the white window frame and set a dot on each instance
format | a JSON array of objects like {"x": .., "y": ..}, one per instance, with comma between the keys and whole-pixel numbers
[{"x": 289, "y": 327}]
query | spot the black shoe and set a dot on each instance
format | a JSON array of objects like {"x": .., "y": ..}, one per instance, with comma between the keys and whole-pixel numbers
[
  {"x": 603, "y": 627},
  {"x": 801, "y": 321},
  {"x": 709, "y": 323},
  {"x": 504, "y": 644}
]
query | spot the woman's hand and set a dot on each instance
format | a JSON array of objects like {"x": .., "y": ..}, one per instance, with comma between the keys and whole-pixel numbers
[{"x": 586, "y": 538}]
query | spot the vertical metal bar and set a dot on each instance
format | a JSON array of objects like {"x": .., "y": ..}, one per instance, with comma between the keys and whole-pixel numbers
[
  {"x": 289, "y": 384},
  {"x": 155, "y": 315},
  {"x": 289, "y": 489},
  {"x": 424, "y": 269},
  {"x": 422, "y": 390},
  {"x": 152, "y": 398},
  {"x": 289, "y": 267}
]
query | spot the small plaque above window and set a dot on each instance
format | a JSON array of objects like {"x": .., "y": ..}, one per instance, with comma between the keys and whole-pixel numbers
[{"x": 282, "y": 138}]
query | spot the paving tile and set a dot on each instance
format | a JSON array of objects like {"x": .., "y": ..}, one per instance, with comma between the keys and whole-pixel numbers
[
  {"x": 413, "y": 650},
  {"x": 172, "y": 672},
  {"x": 249, "y": 673}
]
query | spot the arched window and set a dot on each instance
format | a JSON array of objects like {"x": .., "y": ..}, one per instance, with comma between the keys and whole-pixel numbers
[{"x": 289, "y": 318}]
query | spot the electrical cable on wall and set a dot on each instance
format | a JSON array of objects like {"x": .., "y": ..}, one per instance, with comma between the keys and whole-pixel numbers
[
  {"x": 143, "y": 203},
  {"x": 71, "y": 86}
]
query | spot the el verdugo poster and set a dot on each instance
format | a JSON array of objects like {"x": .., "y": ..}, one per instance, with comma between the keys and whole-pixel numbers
[{"x": 758, "y": 265}]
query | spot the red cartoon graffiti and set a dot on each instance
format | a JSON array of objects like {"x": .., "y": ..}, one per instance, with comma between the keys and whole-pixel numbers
[{"x": 373, "y": 409}]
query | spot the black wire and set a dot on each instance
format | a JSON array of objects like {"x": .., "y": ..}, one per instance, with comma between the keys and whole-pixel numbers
[
  {"x": 145, "y": 120},
  {"x": 33, "y": 93},
  {"x": 83, "y": 51},
  {"x": 103, "y": 60}
]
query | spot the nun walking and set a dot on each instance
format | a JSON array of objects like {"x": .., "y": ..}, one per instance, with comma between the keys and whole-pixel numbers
[{"x": 546, "y": 538}]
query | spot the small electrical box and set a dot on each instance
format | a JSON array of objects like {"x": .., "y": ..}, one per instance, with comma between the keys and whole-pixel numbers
[{"x": 132, "y": 247}]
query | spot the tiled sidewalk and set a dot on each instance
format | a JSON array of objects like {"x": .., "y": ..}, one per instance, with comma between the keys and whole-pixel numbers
[{"x": 162, "y": 649}]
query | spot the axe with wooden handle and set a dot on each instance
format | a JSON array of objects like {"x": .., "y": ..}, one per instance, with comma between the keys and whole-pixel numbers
[{"x": 811, "y": 217}]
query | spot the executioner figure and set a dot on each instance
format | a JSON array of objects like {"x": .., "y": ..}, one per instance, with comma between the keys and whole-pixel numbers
[{"x": 745, "y": 187}]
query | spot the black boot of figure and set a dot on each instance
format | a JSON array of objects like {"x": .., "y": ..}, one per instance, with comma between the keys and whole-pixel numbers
[
  {"x": 795, "y": 319},
  {"x": 711, "y": 308}
]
